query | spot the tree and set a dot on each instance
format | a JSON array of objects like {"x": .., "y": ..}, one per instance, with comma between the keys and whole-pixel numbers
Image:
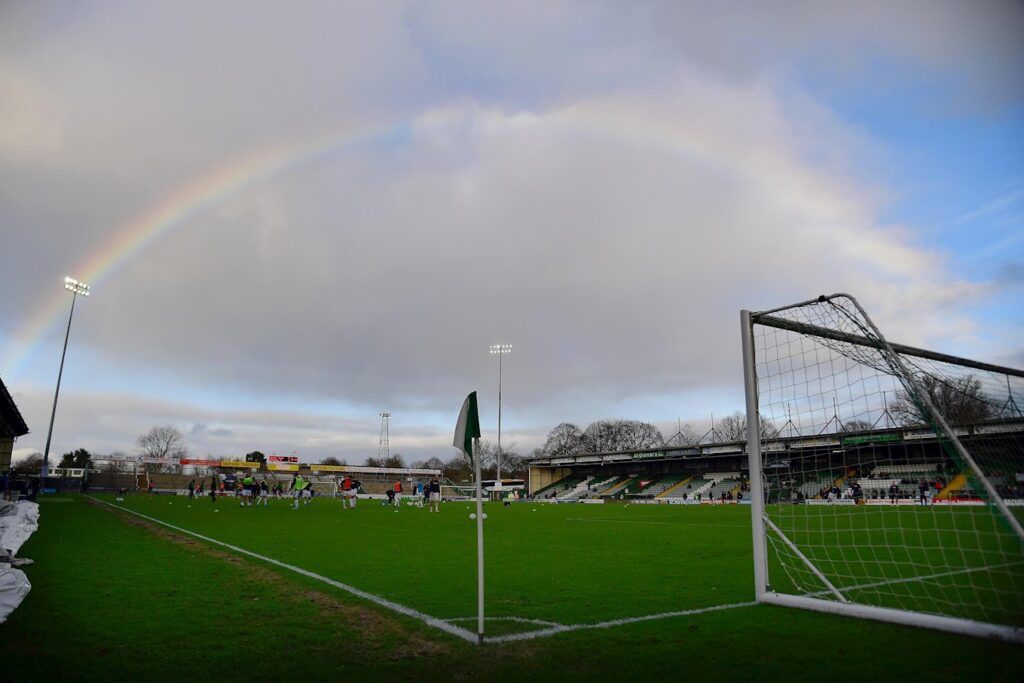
[
  {"x": 80, "y": 459},
  {"x": 457, "y": 468},
  {"x": 686, "y": 436},
  {"x": 513, "y": 465},
  {"x": 434, "y": 463},
  {"x": 734, "y": 428},
  {"x": 256, "y": 456},
  {"x": 857, "y": 426},
  {"x": 374, "y": 462},
  {"x": 30, "y": 465},
  {"x": 620, "y": 435},
  {"x": 162, "y": 442},
  {"x": 395, "y": 460},
  {"x": 564, "y": 439},
  {"x": 958, "y": 399},
  {"x": 633, "y": 434},
  {"x": 331, "y": 460}
]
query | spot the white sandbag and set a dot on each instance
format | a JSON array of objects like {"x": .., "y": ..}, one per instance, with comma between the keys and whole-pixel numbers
[
  {"x": 14, "y": 586},
  {"x": 15, "y": 529}
]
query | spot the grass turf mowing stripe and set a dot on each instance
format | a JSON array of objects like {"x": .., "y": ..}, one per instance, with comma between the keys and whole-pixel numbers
[
  {"x": 376, "y": 599},
  {"x": 444, "y": 625}
]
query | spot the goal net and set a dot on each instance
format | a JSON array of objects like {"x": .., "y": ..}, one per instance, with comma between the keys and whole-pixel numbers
[{"x": 887, "y": 481}]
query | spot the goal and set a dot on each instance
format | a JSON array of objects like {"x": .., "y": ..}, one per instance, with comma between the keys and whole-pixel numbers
[{"x": 887, "y": 481}]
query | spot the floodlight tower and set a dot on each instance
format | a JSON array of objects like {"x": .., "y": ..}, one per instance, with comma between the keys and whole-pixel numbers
[
  {"x": 499, "y": 350},
  {"x": 384, "y": 448},
  {"x": 76, "y": 288}
]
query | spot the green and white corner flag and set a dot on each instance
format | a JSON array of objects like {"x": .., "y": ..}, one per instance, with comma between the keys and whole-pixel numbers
[
  {"x": 467, "y": 429},
  {"x": 468, "y": 426}
]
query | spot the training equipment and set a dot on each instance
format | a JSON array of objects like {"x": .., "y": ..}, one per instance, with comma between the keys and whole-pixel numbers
[{"x": 882, "y": 475}]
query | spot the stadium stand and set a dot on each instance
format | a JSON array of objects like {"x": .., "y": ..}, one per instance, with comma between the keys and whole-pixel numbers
[
  {"x": 597, "y": 487},
  {"x": 671, "y": 491},
  {"x": 723, "y": 486},
  {"x": 630, "y": 483},
  {"x": 656, "y": 488},
  {"x": 576, "y": 491},
  {"x": 688, "y": 488},
  {"x": 112, "y": 481},
  {"x": 171, "y": 482},
  {"x": 552, "y": 490}
]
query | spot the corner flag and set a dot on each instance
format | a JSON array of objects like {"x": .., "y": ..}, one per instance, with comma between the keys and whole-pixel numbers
[
  {"x": 468, "y": 426},
  {"x": 467, "y": 429}
]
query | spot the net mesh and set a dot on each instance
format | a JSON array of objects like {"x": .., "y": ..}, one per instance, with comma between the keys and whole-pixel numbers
[{"x": 867, "y": 497}]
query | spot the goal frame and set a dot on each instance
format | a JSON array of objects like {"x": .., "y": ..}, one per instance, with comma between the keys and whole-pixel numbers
[{"x": 760, "y": 522}]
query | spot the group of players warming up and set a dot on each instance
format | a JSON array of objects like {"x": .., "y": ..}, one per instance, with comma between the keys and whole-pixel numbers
[{"x": 251, "y": 492}]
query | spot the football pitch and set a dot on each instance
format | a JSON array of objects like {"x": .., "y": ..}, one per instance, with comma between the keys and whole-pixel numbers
[{"x": 584, "y": 591}]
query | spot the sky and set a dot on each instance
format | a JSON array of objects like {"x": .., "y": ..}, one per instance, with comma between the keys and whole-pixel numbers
[{"x": 294, "y": 216}]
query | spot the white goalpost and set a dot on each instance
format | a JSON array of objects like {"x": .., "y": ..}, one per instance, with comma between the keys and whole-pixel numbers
[{"x": 887, "y": 481}]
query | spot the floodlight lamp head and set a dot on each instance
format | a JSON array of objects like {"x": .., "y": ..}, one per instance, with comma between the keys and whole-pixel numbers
[
  {"x": 501, "y": 348},
  {"x": 76, "y": 287}
]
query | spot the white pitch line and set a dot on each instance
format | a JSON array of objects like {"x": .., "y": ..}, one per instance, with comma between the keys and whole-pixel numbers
[
  {"x": 544, "y": 633},
  {"x": 376, "y": 599},
  {"x": 440, "y": 624},
  {"x": 912, "y": 579},
  {"x": 621, "y": 520},
  {"x": 518, "y": 620}
]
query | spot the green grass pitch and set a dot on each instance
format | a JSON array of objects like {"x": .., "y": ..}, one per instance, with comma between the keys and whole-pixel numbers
[{"x": 123, "y": 598}]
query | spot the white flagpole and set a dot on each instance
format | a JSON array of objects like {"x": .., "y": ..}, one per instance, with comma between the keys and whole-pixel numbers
[{"x": 479, "y": 545}]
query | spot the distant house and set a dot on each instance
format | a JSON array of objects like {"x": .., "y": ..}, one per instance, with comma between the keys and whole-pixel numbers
[{"x": 12, "y": 425}]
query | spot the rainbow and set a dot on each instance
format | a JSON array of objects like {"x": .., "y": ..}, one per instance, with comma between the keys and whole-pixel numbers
[
  {"x": 175, "y": 211},
  {"x": 242, "y": 172}
]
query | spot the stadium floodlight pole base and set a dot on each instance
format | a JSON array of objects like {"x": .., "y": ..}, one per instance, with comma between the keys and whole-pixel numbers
[{"x": 906, "y": 618}]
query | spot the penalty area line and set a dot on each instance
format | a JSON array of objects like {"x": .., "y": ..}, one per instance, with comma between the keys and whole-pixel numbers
[
  {"x": 555, "y": 630},
  {"x": 375, "y": 599}
]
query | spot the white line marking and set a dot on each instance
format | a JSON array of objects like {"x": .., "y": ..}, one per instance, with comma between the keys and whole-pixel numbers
[
  {"x": 912, "y": 579},
  {"x": 518, "y": 620},
  {"x": 376, "y": 599},
  {"x": 642, "y": 521},
  {"x": 441, "y": 624},
  {"x": 544, "y": 633}
]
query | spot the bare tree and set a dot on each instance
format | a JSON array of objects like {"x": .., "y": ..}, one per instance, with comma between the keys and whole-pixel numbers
[
  {"x": 162, "y": 442},
  {"x": 564, "y": 439},
  {"x": 734, "y": 428},
  {"x": 959, "y": 399},
  {"x": 857, "y": 426},
  {"x": 686, "y": 436},
  {"x": 434, "y": 463},
  {"x": 620, "y": 435},
  {"x": 635, "y": 434},
  {"x": 395, "y": 460},
  {"x": 331, "y": 460},
  {"x": 30, "y": 465},
  {"x": 513, "y": 465}
]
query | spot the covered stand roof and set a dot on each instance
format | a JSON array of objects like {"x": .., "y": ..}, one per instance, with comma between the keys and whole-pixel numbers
[{"x": 12, "y": 424}]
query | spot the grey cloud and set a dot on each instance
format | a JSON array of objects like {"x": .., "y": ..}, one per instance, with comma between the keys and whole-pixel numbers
[
  {"x": 201, "y": 430},
  {"x": 602, "y": 185}
]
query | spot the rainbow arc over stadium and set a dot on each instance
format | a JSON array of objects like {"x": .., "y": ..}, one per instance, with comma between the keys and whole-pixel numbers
[{"x": 211, "y": 188}]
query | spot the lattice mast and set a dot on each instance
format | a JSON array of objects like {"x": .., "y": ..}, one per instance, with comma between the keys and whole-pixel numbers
[{"x": 383, "y": 447}]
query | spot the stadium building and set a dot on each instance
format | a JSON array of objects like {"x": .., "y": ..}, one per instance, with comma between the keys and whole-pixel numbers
[
  {"x": 862, "y": 466},
  {"x": 12, "y": 426}
]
